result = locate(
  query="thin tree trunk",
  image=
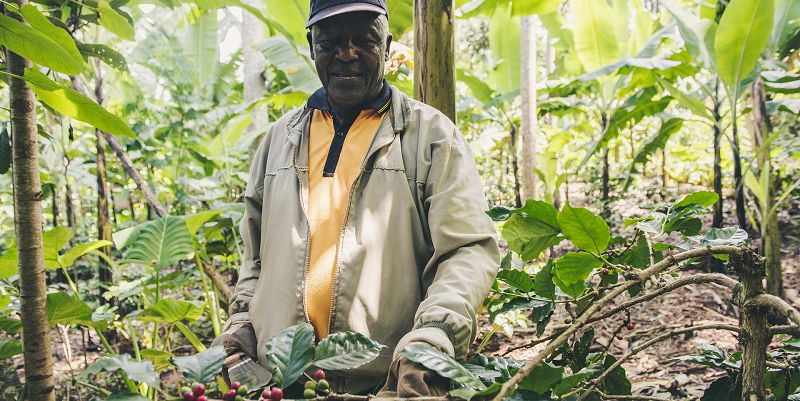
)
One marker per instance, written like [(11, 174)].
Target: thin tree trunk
[(103, 224), (28, 223), (528, 122), (606, 179), (717, 219), (434, 64), (664, 169), (515, 166), (755, 331), (770, 231)]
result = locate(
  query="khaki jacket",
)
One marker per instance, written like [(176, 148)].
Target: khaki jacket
[(418, 254)]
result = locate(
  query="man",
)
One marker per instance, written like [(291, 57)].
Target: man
[(364, 212)]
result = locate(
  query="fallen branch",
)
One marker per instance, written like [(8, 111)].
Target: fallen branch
[(640, 277)]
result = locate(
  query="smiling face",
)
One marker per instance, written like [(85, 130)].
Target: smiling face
[(350, 52)]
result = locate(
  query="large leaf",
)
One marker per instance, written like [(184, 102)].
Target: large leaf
[(516, 278), (201, 46), (786, 12), (528, 7), (692, 103), (543, 284), (197, 220), (699, 198), (575, 267), (595, 43), (345, 350), (586, 230), (37, 46), (528, 236), (543, 377), (743, 33), (290, 353), (291, 15), (693, 31), (59, 35), (504, 42), (113, 21), (401, 14), (441, 363), (72, 104), (141, 371), (53, 240), (10, 348), (480, 89), (69, 257), (655, 143), (63, 308), (160, 242), (169, 310), (721, 236), (106, 54), (287, 58), (203, 366)]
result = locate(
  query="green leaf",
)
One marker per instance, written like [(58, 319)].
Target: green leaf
[(722, 236), (570, 382), (701, 198), (466, 393), (160, 359), (298, 68), (574, 290), (59, 35), (516, 278), (10, 348), (141, 371), (290, 353), (694, 104), (693, 30), (113, 21), (575, 267), (63, 308), (170, 310), (542, 378), (543, 284), (742, 35), (786, 12), (586, 230), (10, 326), (345, 350), (160, 242), (719, 390), (441, 363), (504, 31), (479, 89), (126, 397), (203, 366), (402, 16), (202, 49), (72, 104), (5, 151), (787, 105), (69, 257), (37, 46), (617, 382), (197, 220), (106, 54), (53, 240), (528, 236), (595, 43), (528, 7)]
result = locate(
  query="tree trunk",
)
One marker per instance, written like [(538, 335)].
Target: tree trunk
[(717, 219), (434, 64), (755, 336), (103, 224), (515, 166), (528, 122), (254, 64), (28, 223), (606, 179), (770, 231), (664, 176)]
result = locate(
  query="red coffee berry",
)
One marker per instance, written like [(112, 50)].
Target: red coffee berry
[(319, 374), (277, 394), (235, 385), (229, 395), (605, 270), (201, 398), (630, 326), (266, 394), (189, 396), (199, 389)]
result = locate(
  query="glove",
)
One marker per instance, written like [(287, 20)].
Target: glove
[(238, 336), (408, 379)]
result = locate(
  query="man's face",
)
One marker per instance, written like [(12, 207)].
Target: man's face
[(350, 51)]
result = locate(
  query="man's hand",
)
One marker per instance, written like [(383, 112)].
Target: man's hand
[(238, 337), (409, 379)]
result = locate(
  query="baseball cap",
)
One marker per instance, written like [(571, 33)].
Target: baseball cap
[(321, 9)]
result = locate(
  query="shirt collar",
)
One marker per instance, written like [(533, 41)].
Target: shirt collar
[(319, 100)]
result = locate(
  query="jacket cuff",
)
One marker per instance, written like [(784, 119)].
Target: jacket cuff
[(434, 336), (235, 321)]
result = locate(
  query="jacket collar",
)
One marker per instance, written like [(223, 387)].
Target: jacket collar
[(399, 116)]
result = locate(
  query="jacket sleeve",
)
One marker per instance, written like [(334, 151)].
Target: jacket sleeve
[(250, 230), (465, 258)]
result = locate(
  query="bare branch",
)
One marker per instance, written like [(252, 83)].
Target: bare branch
[(779, 305), (785, 329), (641, 276)]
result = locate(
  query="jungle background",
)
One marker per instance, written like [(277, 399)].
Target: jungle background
[(148, 113)]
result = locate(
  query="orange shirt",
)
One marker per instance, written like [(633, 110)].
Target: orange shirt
[(328, 198)]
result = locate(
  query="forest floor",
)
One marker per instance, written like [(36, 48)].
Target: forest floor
[(655, 370)]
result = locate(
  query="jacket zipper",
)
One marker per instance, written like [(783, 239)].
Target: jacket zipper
[(341, 231), (308, 232)]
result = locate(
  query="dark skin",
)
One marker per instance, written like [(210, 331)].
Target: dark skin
[(350, 52)]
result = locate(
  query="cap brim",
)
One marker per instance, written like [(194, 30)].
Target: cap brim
[(344, 8)]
